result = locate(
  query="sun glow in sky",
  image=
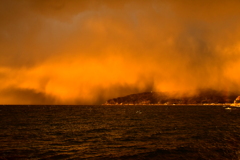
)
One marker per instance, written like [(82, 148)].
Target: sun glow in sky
[(85, 52)]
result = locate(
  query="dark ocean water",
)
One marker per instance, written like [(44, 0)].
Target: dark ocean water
[(119, 132)]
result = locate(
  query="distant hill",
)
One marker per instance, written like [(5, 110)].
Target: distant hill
[(203, 97)]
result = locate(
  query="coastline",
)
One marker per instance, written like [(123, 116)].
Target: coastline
[(215, 104)]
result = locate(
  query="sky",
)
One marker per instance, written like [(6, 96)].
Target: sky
[(88, 51)]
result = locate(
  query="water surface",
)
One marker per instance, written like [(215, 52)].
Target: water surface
[(119, 132)]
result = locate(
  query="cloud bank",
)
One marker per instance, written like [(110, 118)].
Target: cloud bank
[(85, 52)]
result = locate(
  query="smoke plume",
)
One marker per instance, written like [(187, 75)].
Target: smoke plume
[(85, 52)]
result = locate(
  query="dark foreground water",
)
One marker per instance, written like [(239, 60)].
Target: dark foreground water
[(119, 132)]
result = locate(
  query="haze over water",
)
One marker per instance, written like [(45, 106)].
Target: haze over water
[(119, 132)]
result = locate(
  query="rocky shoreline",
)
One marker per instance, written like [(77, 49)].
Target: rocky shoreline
[(158, 98)]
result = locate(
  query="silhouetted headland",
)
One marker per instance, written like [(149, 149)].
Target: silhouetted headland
[(204, 97)]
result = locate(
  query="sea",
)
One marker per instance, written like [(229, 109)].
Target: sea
[(119, 132)]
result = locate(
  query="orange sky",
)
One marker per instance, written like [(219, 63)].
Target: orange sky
[(85, 52)]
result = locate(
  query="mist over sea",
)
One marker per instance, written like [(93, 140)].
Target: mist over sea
[(119, 132)]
